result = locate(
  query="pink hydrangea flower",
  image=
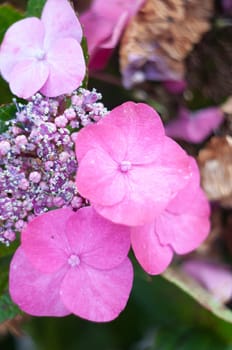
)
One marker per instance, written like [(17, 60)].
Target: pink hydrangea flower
[(181, 228), (128, 168), (44, 54), (195, 127), (103, 25), (72, 263)]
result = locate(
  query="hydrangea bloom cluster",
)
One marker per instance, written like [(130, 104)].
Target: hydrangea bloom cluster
[(37, 159), (82, 197)]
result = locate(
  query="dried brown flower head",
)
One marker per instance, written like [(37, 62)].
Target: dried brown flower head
[(215, 162), (161, 35)]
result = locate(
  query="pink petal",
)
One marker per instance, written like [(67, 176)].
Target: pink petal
[(175, 166), (20, 39), (60, 22), (150, 253), (66, 67), (195, 127), (187, 230), (94, 31), (147, 193), (149, 188), (184, 197), (103, 24), (35, 293), (101, 136), (31, 75), (115, 8), (97, 295), (142, 128), (99, 180), (98, 242), (44, 241), (100, 55)]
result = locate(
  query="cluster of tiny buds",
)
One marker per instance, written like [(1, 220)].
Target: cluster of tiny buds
[(37, 158)]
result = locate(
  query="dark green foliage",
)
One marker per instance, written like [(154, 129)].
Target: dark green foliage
[(7, 112), (34, 8)]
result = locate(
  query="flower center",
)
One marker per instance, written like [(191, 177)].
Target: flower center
[(125, 165), (40, 55), (74, 260)]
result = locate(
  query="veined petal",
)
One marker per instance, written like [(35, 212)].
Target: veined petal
[(187, 230), (142, 128), (20, 39), (35, 293), (60, 21), (98, 242), (99, 180), (185, 197), (97, 295), (44, 241), (148, 189), (27, 77), (104, 137), (66, 67), (175, 166), (150, 253)]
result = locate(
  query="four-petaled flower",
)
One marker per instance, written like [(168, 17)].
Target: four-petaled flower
[(72, 263), (128, 168), (44, 55)]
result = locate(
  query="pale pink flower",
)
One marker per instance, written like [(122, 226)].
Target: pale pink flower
[(196, 126), (181, 228), (128, 168), (72, 263), (103, 24), (44, 54), (214, 276)]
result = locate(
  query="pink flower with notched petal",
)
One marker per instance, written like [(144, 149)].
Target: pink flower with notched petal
[(72, 263), (128, 168), (181, 228), (44, 55), (103, 25)]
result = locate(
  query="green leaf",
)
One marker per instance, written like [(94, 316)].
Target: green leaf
[(7, 112), (8, 309), (8, 15), (5, 93), (84, 46), (198, 293), (6, 251), (34, 8)]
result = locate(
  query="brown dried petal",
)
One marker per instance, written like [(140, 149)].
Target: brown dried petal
[(215, 162), (163, 32)]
